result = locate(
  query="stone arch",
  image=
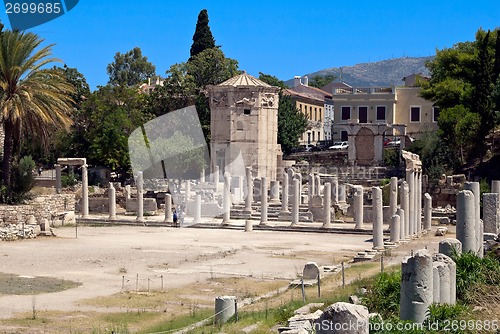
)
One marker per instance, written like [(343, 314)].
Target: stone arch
[(365, 146)]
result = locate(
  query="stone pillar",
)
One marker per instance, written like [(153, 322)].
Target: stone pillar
[(225, 308), (85, 192), (197, 209), (249, 198), (112, 201), (317, 186), (416, 286), (466, 218), (327, 205), (263, 200), (226, 199), (475, 188), (310, 190), (335, 189), (342, 193), (450, 246), (491, 213), (444, 280), (402, 228), (495, 186), (202, 176), (248, 226), (410, 178), (187, 189), (378, 219), (168, 209), (215, 175), (58, 178), (290, 173), (140, 197), (295, 201), (358, 207), (419, 202), (299, 176), (395, 228), (342, 318), (393, 200), (405, 205), (427, 212), (128, 192), (284, 193), (274, 192)]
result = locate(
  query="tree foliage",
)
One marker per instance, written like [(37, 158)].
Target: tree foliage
[(33, 100), (202, 38), (319, 81), (130, 68), (272, 80), (291, 123)]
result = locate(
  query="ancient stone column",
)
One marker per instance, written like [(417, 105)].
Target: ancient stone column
[(395, 228), (226, 198), (405, 205), (295, 201), (402, 228), (358, 207), (284, 193), (225, 308), (427, 211), (197, 209), (342, 318), (444, 279), (335, 189), (249, 198), (85, 192), (215, 175), (274, 192), (263, 200), (128, 192), (310, 190), (299, 176), (112, 201), (187, 189), (450, 246), (475, 188), (393, 199), (419, 203), (466, 220), (202, 176), (410, 178), (168, 209), (327, 205), (416, 286), (495, 186), (342, 194), (58, 178), (378, 219), (140, 197), (290, 173), (491, 213), (317, 186)]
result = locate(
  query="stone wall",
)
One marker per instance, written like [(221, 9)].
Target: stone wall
[(43, 206)]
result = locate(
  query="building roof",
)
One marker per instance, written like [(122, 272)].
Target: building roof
[(335, 85), (313, 91), (244, 79), (296, 94)]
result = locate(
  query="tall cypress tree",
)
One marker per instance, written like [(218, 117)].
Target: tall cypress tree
[(202, 38), (496, 64)]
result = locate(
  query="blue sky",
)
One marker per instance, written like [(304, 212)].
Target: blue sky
[(282, 38)]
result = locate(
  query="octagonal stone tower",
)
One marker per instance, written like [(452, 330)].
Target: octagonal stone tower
[(244, 119)]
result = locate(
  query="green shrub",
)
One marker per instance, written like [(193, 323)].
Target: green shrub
[(391, 157), (383, 297), (68, 180), (22, 181)]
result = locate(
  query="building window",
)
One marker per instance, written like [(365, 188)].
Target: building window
[(320, 115), (246, 111), (310, 112), (414, 114), (313, 135), (381, 113), (315, 113), (363, 114), (300, 107), (239, 126), (344, 136), (435, 114), (346, 113)]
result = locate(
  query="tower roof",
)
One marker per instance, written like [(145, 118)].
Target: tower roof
[(244, 79)]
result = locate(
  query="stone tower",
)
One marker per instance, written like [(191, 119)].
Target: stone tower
[(244, 120)]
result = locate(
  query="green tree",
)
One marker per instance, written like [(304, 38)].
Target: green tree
[(272, 80), (130, 68), (202, 38), (319, 81), (32, 99), (291, 123)]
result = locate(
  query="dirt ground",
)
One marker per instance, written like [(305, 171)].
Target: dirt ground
[(106, 260)]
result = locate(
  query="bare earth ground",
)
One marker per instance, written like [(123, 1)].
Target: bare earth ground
[(105, 259)]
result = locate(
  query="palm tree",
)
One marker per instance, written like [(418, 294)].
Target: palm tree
[(33, 98)]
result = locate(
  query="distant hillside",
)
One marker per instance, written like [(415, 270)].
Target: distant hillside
[(381, 73)]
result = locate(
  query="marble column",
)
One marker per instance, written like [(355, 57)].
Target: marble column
[(263, 200), (310, 190), (327, 205), (358, 207), (168, 209), (444, 279), (495, 186), (466, 218), (416, 286), (411, 185), (335, 189), (491, 213), (274, 192), (317, 186), (342, 194), (393, 199), (427, 212), (475, 188), (419, 203), (295, 201), (249, 198), (187, 188), (112, 201), (197, 209), (450, 247), (402, 227), (395, 228), (85, 192), (226, 199), (215, 175), (284, 193), (58, 178), (202, 176), (378, 219), (140, 197)]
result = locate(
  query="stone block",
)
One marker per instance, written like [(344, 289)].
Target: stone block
[(311, 271), (350, 318)]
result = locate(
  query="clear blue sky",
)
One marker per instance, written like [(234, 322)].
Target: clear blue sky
[(282, 38)]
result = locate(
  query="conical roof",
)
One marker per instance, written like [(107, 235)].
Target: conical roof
[(244, 79)]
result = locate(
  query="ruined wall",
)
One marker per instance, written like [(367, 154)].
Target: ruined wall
[(43, 206)]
